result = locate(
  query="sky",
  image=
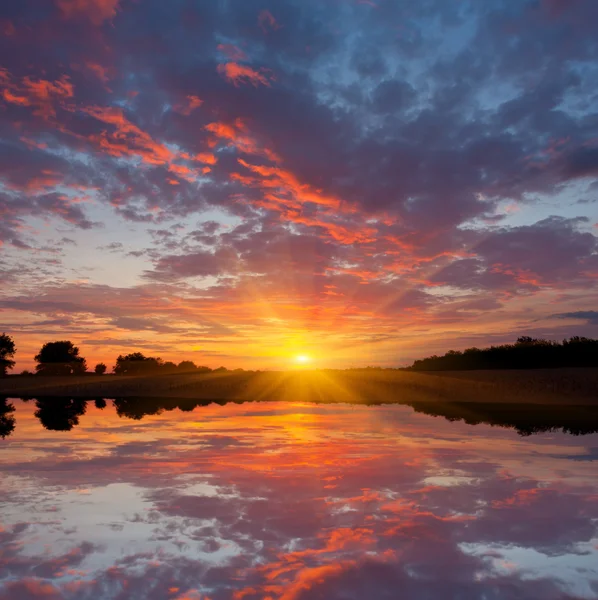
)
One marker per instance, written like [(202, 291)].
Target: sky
[(241, 182)]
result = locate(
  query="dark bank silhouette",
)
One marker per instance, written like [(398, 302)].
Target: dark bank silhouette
[(60, 358), (525, 353), (63, 413)]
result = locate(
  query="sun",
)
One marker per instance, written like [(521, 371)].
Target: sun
[(302, 359)]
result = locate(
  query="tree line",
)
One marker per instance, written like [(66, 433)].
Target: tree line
[(525, 353), (64, 358)]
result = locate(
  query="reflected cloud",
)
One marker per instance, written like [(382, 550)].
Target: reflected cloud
[(292, 501)]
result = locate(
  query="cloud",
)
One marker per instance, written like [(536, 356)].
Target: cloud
[(96, 11), (190, 103), (236, 74), (589, 316), (40, 94), (267, 21), (431, 158), (232, 52)]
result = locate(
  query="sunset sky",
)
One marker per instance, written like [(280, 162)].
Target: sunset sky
[(245, 182)]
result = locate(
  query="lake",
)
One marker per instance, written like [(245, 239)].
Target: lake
[(291, 501)]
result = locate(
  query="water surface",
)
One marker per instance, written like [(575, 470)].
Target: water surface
[(290, 502)]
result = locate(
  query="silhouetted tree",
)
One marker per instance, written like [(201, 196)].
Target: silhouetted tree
[(60, 358), (26, 373), (100, 369), (100, 403), (7, 421), (187, 366), (7, 351), (59, 413), (168, 367), (136, 364)]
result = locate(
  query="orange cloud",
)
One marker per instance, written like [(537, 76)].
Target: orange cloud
[(13, 99), (127, 139), (238, 135), (206, 157), (41, 94), (290, 197), (275, 177), (183, 171), (122, 137), (236, 74)]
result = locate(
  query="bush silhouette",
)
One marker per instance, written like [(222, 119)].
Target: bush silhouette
[(100, 369), (136, 363), (187, 366)]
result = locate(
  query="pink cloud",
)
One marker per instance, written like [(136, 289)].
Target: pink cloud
[(236, 74), (188, 105)]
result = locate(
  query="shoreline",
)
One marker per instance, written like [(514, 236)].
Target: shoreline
[(565, 387)]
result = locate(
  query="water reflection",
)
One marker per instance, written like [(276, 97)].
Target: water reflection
[(62, 413), (171, 500), (7, 420)]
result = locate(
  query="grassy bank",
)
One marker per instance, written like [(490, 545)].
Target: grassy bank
[(552, 386)]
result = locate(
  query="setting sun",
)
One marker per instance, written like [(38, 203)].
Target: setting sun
[(302, 359)]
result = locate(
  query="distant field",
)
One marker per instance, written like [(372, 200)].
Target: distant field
[(551, 386)]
